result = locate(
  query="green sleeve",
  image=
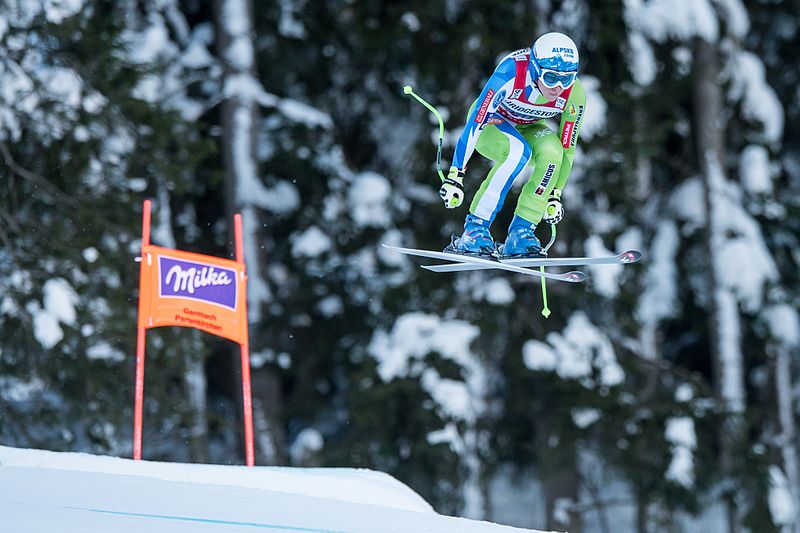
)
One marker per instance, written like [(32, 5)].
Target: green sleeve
[(571, 121)]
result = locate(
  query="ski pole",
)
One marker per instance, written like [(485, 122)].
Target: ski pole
[(408, 90), (546, 309), (552, 238)]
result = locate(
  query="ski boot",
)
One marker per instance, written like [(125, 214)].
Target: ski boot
[(521, 242), (476, 239)]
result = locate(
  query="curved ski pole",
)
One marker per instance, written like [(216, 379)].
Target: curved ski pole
[(545, 309), (552, 238), (408, 90)]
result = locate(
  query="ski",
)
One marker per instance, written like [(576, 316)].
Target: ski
[(478, 262), (627, 257)]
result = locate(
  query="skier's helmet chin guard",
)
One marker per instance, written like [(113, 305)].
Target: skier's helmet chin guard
[(554, 60)]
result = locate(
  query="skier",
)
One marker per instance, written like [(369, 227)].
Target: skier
[(505, 124)]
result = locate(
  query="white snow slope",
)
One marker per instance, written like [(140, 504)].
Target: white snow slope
[(69, 492)]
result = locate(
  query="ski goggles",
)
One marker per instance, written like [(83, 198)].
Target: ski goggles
[(553, 78)]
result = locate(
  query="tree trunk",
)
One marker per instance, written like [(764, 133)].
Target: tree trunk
[(196, 385), (725, 327), (270, 441), (642, 505), (474, 502), (240, 119), (788, 432), (194, 374), (560, 486)]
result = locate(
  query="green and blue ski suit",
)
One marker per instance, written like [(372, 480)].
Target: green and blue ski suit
[(506, 125)]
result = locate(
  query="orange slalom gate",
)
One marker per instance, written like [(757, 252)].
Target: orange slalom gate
[(204, 292)]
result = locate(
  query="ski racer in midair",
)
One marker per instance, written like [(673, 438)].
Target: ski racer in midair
[(506, 124)]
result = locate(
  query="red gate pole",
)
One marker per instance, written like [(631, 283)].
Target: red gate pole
[(140, 341), (245, 352)]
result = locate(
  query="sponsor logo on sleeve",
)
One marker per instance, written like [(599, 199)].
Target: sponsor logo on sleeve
[(484, 106), (574, 137), (566, 134), (548, 175)]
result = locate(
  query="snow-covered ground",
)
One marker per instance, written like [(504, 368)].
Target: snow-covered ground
[(69, 492)]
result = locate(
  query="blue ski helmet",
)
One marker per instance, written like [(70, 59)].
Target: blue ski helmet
[(554, 60)]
